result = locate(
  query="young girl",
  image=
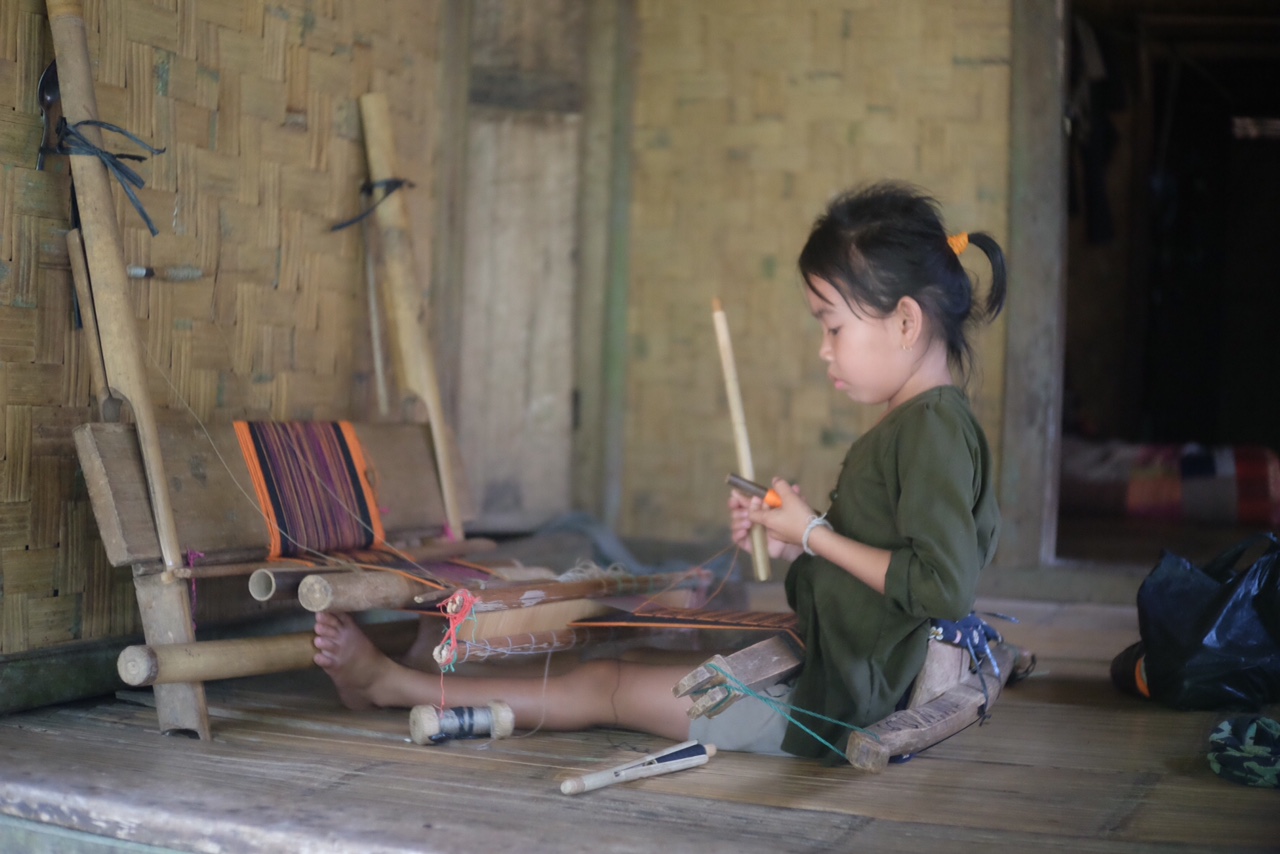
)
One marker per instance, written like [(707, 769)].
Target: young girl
[(912, 521)]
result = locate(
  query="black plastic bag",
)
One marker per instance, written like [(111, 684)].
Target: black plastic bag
[(1210, 635)]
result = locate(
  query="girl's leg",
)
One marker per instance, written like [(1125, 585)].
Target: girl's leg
[(596, 693)]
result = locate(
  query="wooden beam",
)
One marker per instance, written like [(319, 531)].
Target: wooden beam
[(617, 340), (594, 200), (448, 239), (1029, 456)]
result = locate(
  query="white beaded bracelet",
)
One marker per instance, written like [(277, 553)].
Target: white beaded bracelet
[(814, 522)]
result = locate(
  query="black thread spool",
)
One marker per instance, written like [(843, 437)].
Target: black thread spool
[(429, 725)]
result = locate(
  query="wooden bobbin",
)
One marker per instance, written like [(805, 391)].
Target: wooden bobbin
[(429, 725)]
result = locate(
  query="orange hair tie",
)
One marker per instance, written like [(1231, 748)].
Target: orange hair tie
[(958, 242)]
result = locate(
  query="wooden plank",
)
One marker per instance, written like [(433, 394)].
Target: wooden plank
[(515, 410), (212, 494), (1047, 773)]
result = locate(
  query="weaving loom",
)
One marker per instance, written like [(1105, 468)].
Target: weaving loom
[(172, 500)]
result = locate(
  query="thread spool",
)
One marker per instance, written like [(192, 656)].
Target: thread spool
[(429, 725)]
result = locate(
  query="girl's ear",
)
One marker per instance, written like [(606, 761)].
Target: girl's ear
[(909, 318)]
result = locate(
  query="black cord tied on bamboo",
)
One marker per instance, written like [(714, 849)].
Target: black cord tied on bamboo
[(389, 185), (71, 141)]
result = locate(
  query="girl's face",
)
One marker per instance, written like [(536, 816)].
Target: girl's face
[(870, 359)]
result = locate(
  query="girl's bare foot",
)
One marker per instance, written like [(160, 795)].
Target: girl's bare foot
[(355, 665)]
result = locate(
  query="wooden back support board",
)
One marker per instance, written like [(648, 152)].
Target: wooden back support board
[(212, 494)]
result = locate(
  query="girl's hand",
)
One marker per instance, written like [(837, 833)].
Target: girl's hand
[(744, 512), (785, 524)]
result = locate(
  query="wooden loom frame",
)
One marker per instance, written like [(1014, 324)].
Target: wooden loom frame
[(160, 575)]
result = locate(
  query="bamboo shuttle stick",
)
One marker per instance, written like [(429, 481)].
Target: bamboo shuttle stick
[(375, 321), (689, 754), (108, 406), (415, 360), (746, 468)]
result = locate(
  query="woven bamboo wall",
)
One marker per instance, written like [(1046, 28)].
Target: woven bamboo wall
[(255, 103), (748, 118)]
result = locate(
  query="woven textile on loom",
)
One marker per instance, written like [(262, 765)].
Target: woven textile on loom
[(1233, 484), (312, 484)]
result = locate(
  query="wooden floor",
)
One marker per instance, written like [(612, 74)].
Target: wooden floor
[(1065, 764)]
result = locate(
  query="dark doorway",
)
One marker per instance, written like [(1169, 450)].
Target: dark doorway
[(1172, 289)]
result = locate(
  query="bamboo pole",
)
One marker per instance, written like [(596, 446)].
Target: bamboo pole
[(361, 591), (415, 360), (746, 468), (204, 661)]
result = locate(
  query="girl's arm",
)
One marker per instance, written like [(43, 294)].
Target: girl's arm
[(787, 524)]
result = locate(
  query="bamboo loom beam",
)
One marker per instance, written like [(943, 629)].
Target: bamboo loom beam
[(205, 661), (405, 306), (162, 600), (741, 443), (358, 591)]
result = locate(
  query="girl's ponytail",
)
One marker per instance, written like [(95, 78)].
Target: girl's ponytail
[(995, 298)]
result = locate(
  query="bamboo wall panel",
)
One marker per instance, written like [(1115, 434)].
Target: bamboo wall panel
[(255, 105), (748, 119)]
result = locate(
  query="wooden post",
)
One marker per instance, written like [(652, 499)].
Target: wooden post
[(415, 361), (163, 600), (746, 468)]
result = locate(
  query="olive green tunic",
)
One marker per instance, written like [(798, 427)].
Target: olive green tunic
[(919, 485)]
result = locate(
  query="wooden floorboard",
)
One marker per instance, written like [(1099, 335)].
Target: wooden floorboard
[(1065, 763)]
